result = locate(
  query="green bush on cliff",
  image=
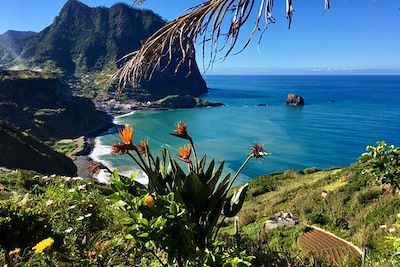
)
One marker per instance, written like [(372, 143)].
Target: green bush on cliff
[(384, 164)]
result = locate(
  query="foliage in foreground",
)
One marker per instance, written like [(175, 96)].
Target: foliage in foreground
[(61, 221), (384, 164), (77, 215), (180, 211)]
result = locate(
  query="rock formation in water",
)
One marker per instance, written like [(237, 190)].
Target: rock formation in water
[(294, 100)]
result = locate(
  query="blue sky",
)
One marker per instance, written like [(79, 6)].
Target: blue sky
[(355, 36)]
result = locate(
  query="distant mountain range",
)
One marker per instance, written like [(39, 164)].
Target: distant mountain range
[(84, 43), (11, 45)]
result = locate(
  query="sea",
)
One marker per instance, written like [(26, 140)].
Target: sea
[(341, 116)]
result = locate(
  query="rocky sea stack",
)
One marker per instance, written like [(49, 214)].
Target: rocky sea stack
[(294, 100)]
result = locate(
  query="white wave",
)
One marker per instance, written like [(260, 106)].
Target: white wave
[(116, 118), (104, 177)]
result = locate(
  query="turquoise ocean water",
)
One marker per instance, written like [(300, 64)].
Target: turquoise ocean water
[(342, 115)]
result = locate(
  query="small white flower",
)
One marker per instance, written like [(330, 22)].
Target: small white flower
[(77, 179), (81, 187), (72, 207), (383, 226), (45, 177), (80, 218), (88, 215), (69, 230), (71, 190), (392, 230), (67, 179), (49, 202), (90, 205), (52, 176)]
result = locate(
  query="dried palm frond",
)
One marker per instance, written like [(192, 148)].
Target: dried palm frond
[(215, 22)]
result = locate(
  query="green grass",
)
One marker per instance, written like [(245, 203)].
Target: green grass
[(65, 148), (353, 208), (78, 215)]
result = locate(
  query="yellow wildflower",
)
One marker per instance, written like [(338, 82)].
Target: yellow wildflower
[(43, 245)]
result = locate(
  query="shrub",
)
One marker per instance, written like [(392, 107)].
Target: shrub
[(366, 197), (310, 170), (384, 163), (21, 226), (317, 217), (341, 223), (263, 185)]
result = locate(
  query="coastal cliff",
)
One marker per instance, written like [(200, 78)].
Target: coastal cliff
[(21, 150), (42, 105)]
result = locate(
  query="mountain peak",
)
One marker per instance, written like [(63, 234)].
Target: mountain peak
[(17, 34), (85, 39), (72, 5)]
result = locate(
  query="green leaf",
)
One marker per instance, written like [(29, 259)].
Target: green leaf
[(173, 209), (144, 235), (234, 203)]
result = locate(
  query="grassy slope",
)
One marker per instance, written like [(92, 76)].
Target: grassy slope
[(353, 209), (20, 150)]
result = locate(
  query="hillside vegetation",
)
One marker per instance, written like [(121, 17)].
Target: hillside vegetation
[(342, 201), (43, 106), (176, 219), (84, 44), (21, 150), (88, 227)]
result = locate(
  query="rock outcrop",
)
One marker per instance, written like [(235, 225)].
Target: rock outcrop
[(281, 219), (186, 101), (294, 100)]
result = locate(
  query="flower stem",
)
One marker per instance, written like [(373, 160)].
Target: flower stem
[(219, 227), (196, 164), (141, 159), (137, 162), (240, 169)]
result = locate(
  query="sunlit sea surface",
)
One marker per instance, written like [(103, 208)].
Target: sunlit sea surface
[(342, 115)]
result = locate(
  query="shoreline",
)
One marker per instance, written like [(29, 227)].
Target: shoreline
[(82, 158), (85, 158)]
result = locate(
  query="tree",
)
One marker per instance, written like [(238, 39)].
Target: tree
[(215, 23)]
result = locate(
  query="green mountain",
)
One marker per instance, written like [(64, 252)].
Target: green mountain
[(84, 43), (21, 150), (43, 106), (11, 44)]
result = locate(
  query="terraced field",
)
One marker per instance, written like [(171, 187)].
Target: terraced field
[(327, 246)]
